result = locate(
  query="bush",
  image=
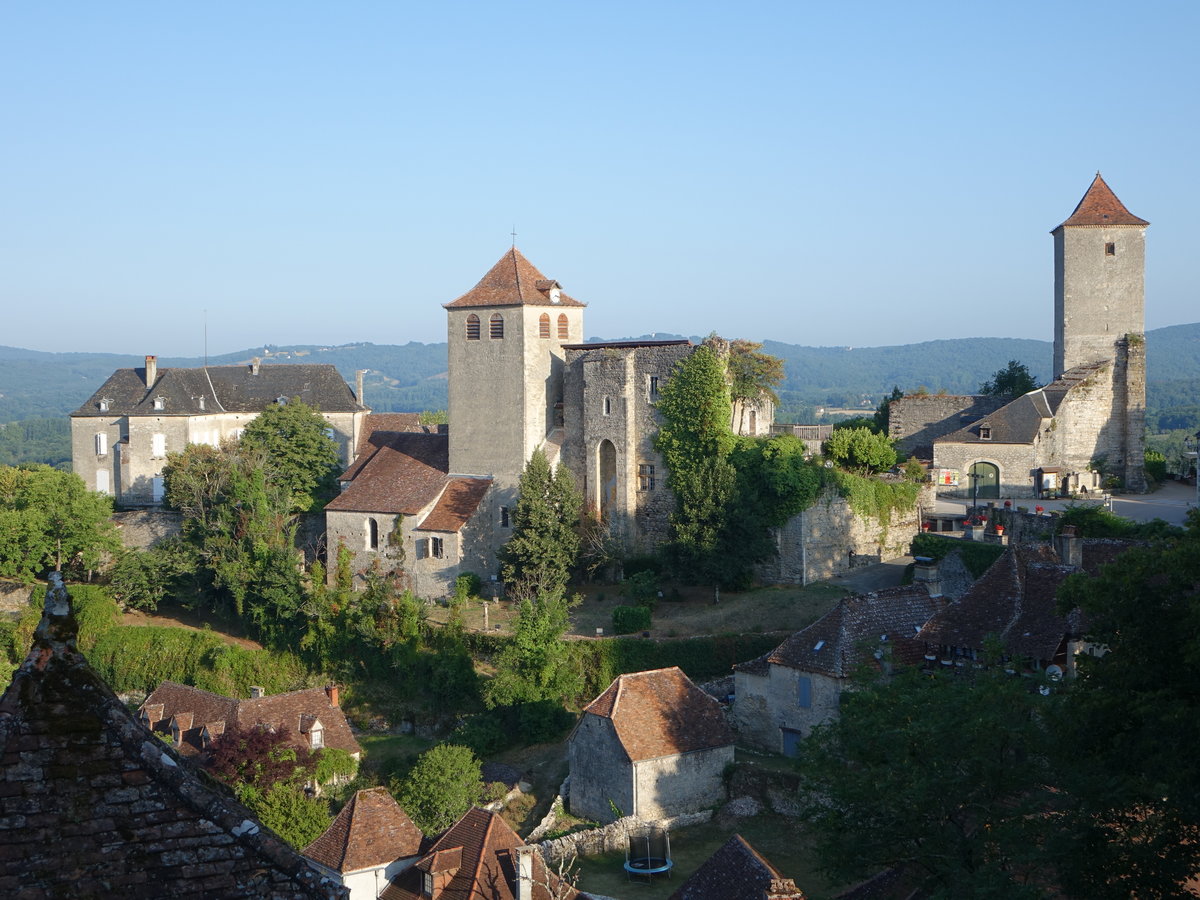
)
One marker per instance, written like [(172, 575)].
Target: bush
[(976, 556), (630, 619), (443, 785), (642, 589), (332, 763), (638, 564), (466, 586)]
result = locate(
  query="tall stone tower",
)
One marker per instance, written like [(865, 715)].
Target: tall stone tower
[(505, 339), (1099, 316)]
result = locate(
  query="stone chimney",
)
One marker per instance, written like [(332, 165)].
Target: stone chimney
[(358, 386), (783, 889), (925, 572), (151, 370), (1070, 547), (331, 691), (256, 692), (254, 364), (525, 883)]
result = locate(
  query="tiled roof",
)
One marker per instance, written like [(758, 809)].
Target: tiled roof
[(293, 711), (661, 713), (736, 872), (95, 805), (513, 281), (486, 863), (457, 504), (377, 426), (1100, 206), (371, 831), (628, 345), (841, 640), (403, 474), (221, 388), (1019, 421)]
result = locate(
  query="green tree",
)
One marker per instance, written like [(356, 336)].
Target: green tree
[(294, 440), (861, 450), (441, 787), (293, 815), (1013, 380), (538, 558), (753, 376), (535, 664), (883, 413)]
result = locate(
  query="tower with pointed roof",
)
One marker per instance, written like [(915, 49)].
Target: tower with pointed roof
[(505, 339), (1099, 318)]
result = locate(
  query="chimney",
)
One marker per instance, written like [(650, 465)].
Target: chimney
[(525, 883), (925, 571), (256, 692), (254, 364), (331, 691), (783, 889), (151, 370), (1070, 547), (358, 386)]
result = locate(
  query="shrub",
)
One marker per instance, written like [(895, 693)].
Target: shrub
[(642, 589), (443, 785), (466, 586), (630, 619)]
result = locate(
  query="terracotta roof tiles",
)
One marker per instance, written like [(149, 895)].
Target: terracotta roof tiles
[(403, 474), (1100, 206), (371, 831), (513, 281), (456, 505)]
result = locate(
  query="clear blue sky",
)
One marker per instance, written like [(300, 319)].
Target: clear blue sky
[(819, 173)]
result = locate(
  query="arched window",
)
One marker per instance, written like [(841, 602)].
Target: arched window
[(544, 326), (372, 534), (607, 464), (497, 324), (472, 327), (563, 330)]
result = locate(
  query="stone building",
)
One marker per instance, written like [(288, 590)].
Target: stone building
[(1086, 426), (95, 805), (371, 841), (653, 745), (121, 436), (784, 694)]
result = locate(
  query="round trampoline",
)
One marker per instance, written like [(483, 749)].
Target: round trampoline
[(648, 854)]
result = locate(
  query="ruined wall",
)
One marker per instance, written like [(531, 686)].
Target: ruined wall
[(915, 422)]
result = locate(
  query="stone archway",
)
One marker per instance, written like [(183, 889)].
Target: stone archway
[(606, 459), (984, 483)]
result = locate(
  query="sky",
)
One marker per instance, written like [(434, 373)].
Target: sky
[(827, 174)]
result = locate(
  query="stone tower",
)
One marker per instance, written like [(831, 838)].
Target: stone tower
[(505, 339), (1099, 316)]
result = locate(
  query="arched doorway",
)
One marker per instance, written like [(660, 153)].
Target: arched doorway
[(985, 481), (607, 459)]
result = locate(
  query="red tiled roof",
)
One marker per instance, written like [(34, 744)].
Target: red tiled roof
[(377, 426), (513, 281), (486, 865), (736, 871), (1100, 206), (404, 474), (661, 713), (457, 504), (371, 831)]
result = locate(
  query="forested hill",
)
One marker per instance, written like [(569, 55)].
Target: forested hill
[(412, 377)]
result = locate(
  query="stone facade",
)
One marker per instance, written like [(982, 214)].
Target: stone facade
[(914, 422), (768, 708)]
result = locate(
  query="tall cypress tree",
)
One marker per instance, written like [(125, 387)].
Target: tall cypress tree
[(537, 560)]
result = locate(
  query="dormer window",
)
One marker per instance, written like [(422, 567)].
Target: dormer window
[(317, 737), (555, 295), (200, 402), (160, 403), (104, 404), (985, 432), (281, 400)]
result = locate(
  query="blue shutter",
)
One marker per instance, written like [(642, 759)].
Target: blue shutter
[(804, 698)]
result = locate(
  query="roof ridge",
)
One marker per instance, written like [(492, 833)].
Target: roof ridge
[(483, 848)]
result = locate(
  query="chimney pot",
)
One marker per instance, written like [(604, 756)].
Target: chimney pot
[(256, 692), (151, 370), (331, 691), (254, 364)]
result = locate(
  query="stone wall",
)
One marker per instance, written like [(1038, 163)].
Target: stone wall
[(683, 783), (915, 422), (601, 775), (766, 704), (614, 837), (141, 529)]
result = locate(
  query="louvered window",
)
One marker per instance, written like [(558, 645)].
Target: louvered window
[(472, 327), (497, 327)]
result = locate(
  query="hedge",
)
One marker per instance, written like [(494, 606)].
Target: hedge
[(630, 619)]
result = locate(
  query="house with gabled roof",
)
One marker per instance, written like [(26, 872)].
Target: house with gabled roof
[(193, 717), (652, 745), (369, 843), (736, 871), (781, 696), (96, 805), (121, 436), (479, 857)]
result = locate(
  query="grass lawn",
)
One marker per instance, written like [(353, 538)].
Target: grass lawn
[(391, 755), (781, 840)]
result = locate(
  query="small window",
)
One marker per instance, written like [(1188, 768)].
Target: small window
[(653, 387), (281, 400), (104, 404), (645, 477), (318, 738), (101, 443), (422, 548), (160, 403), (505, 522), (497, 327), (329, 433), (200, 401), (436, 548), (472, 327), (544, 326), (1110, 249), (608, 406), (985, 432), (804, 692), (564, 328), (372, 534), (158, 445)]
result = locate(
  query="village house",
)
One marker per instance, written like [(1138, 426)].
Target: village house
[(479, 856), (1084, 431), (121, 436), (95, 805), (652, 745), (737, 872), (194, 718), (369, 843)]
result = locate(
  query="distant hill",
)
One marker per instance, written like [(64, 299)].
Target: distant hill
[(412, 377)]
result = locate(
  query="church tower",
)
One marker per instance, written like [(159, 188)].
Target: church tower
[(506, 338), (1099, 317)]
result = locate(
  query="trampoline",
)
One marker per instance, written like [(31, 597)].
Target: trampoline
[(648, 854)]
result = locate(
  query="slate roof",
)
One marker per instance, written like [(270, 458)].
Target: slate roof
[(661, 713), (1020, 420), (838, 642), (1100, 206), (294, 711), (94, 805), (371, 831), (481, 847), (513, 281), (737, 872), (222, 388)]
